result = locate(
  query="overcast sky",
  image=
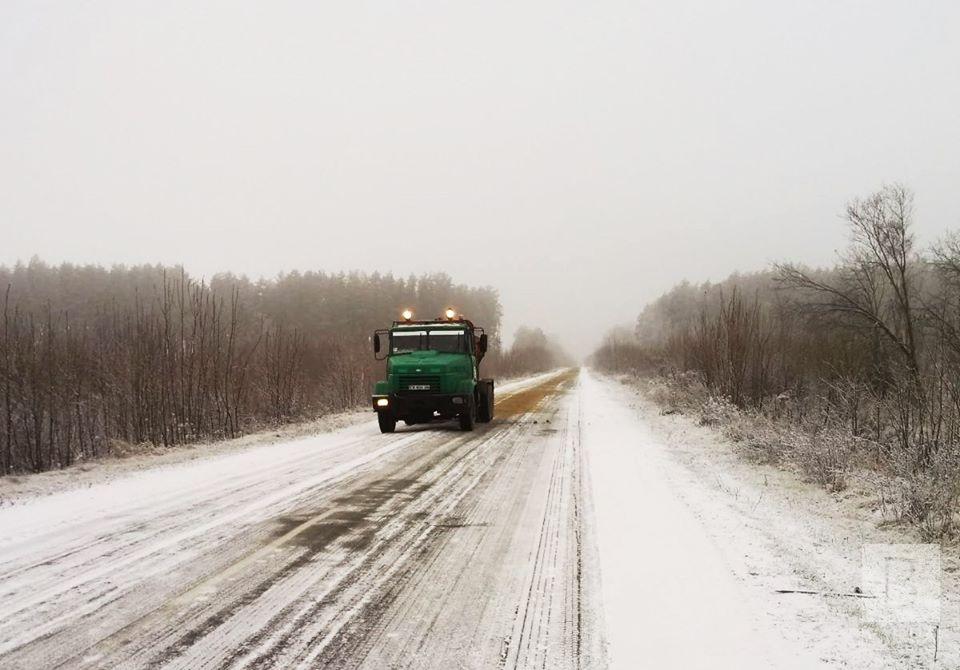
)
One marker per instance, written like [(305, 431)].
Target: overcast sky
[(580, 157)]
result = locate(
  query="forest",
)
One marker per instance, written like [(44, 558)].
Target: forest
[(94, 360), (848, 369)]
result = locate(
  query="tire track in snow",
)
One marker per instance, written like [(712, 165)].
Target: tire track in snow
[(153, 557), (198, 543)]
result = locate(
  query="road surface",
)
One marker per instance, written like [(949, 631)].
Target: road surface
[(545, 539)]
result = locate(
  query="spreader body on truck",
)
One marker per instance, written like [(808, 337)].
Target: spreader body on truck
[(433, 373)]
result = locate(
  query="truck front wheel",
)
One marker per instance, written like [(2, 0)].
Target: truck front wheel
[(468, 416), (387, 421)]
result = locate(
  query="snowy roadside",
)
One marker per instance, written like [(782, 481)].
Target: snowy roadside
[(773, 531), (16, 489)]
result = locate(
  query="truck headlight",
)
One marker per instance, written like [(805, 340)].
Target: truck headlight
[(382, 402)]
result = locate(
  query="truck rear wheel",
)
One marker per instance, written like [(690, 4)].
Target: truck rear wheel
[(468, 416), (387, 421)]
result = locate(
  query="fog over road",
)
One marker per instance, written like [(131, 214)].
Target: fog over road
[(546, 539)]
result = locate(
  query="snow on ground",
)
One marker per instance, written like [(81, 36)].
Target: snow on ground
[(579, 521), (16, 489), (346, 549), (670, 599), (711, 537)]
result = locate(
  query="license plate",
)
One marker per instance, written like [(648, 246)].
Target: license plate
[(419, 387)]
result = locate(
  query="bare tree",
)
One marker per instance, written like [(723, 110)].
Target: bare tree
[(878, 291), (877, 274)]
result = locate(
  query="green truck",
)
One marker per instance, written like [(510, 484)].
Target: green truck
[(433, 372)]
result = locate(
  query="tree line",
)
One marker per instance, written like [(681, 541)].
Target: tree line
[(871, 344), (532, 351), (94, 358)]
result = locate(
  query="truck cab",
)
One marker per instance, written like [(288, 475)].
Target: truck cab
[(432, 373)]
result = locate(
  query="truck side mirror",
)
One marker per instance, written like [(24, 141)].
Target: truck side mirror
[(376, 343), (483, 343)]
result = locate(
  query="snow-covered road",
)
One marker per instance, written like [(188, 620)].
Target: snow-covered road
[(553, 538), (426, 548)]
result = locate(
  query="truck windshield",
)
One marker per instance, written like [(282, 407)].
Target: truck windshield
[(452, 341), (448, 341)]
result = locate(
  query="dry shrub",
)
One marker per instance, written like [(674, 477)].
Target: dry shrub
[(825, 456), (717, 411), (921, 500), (928, 499), (685, 393), (760, 438), (122, 449), (677, 393)]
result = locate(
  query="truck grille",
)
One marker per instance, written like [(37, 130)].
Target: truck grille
[(420, 383)]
